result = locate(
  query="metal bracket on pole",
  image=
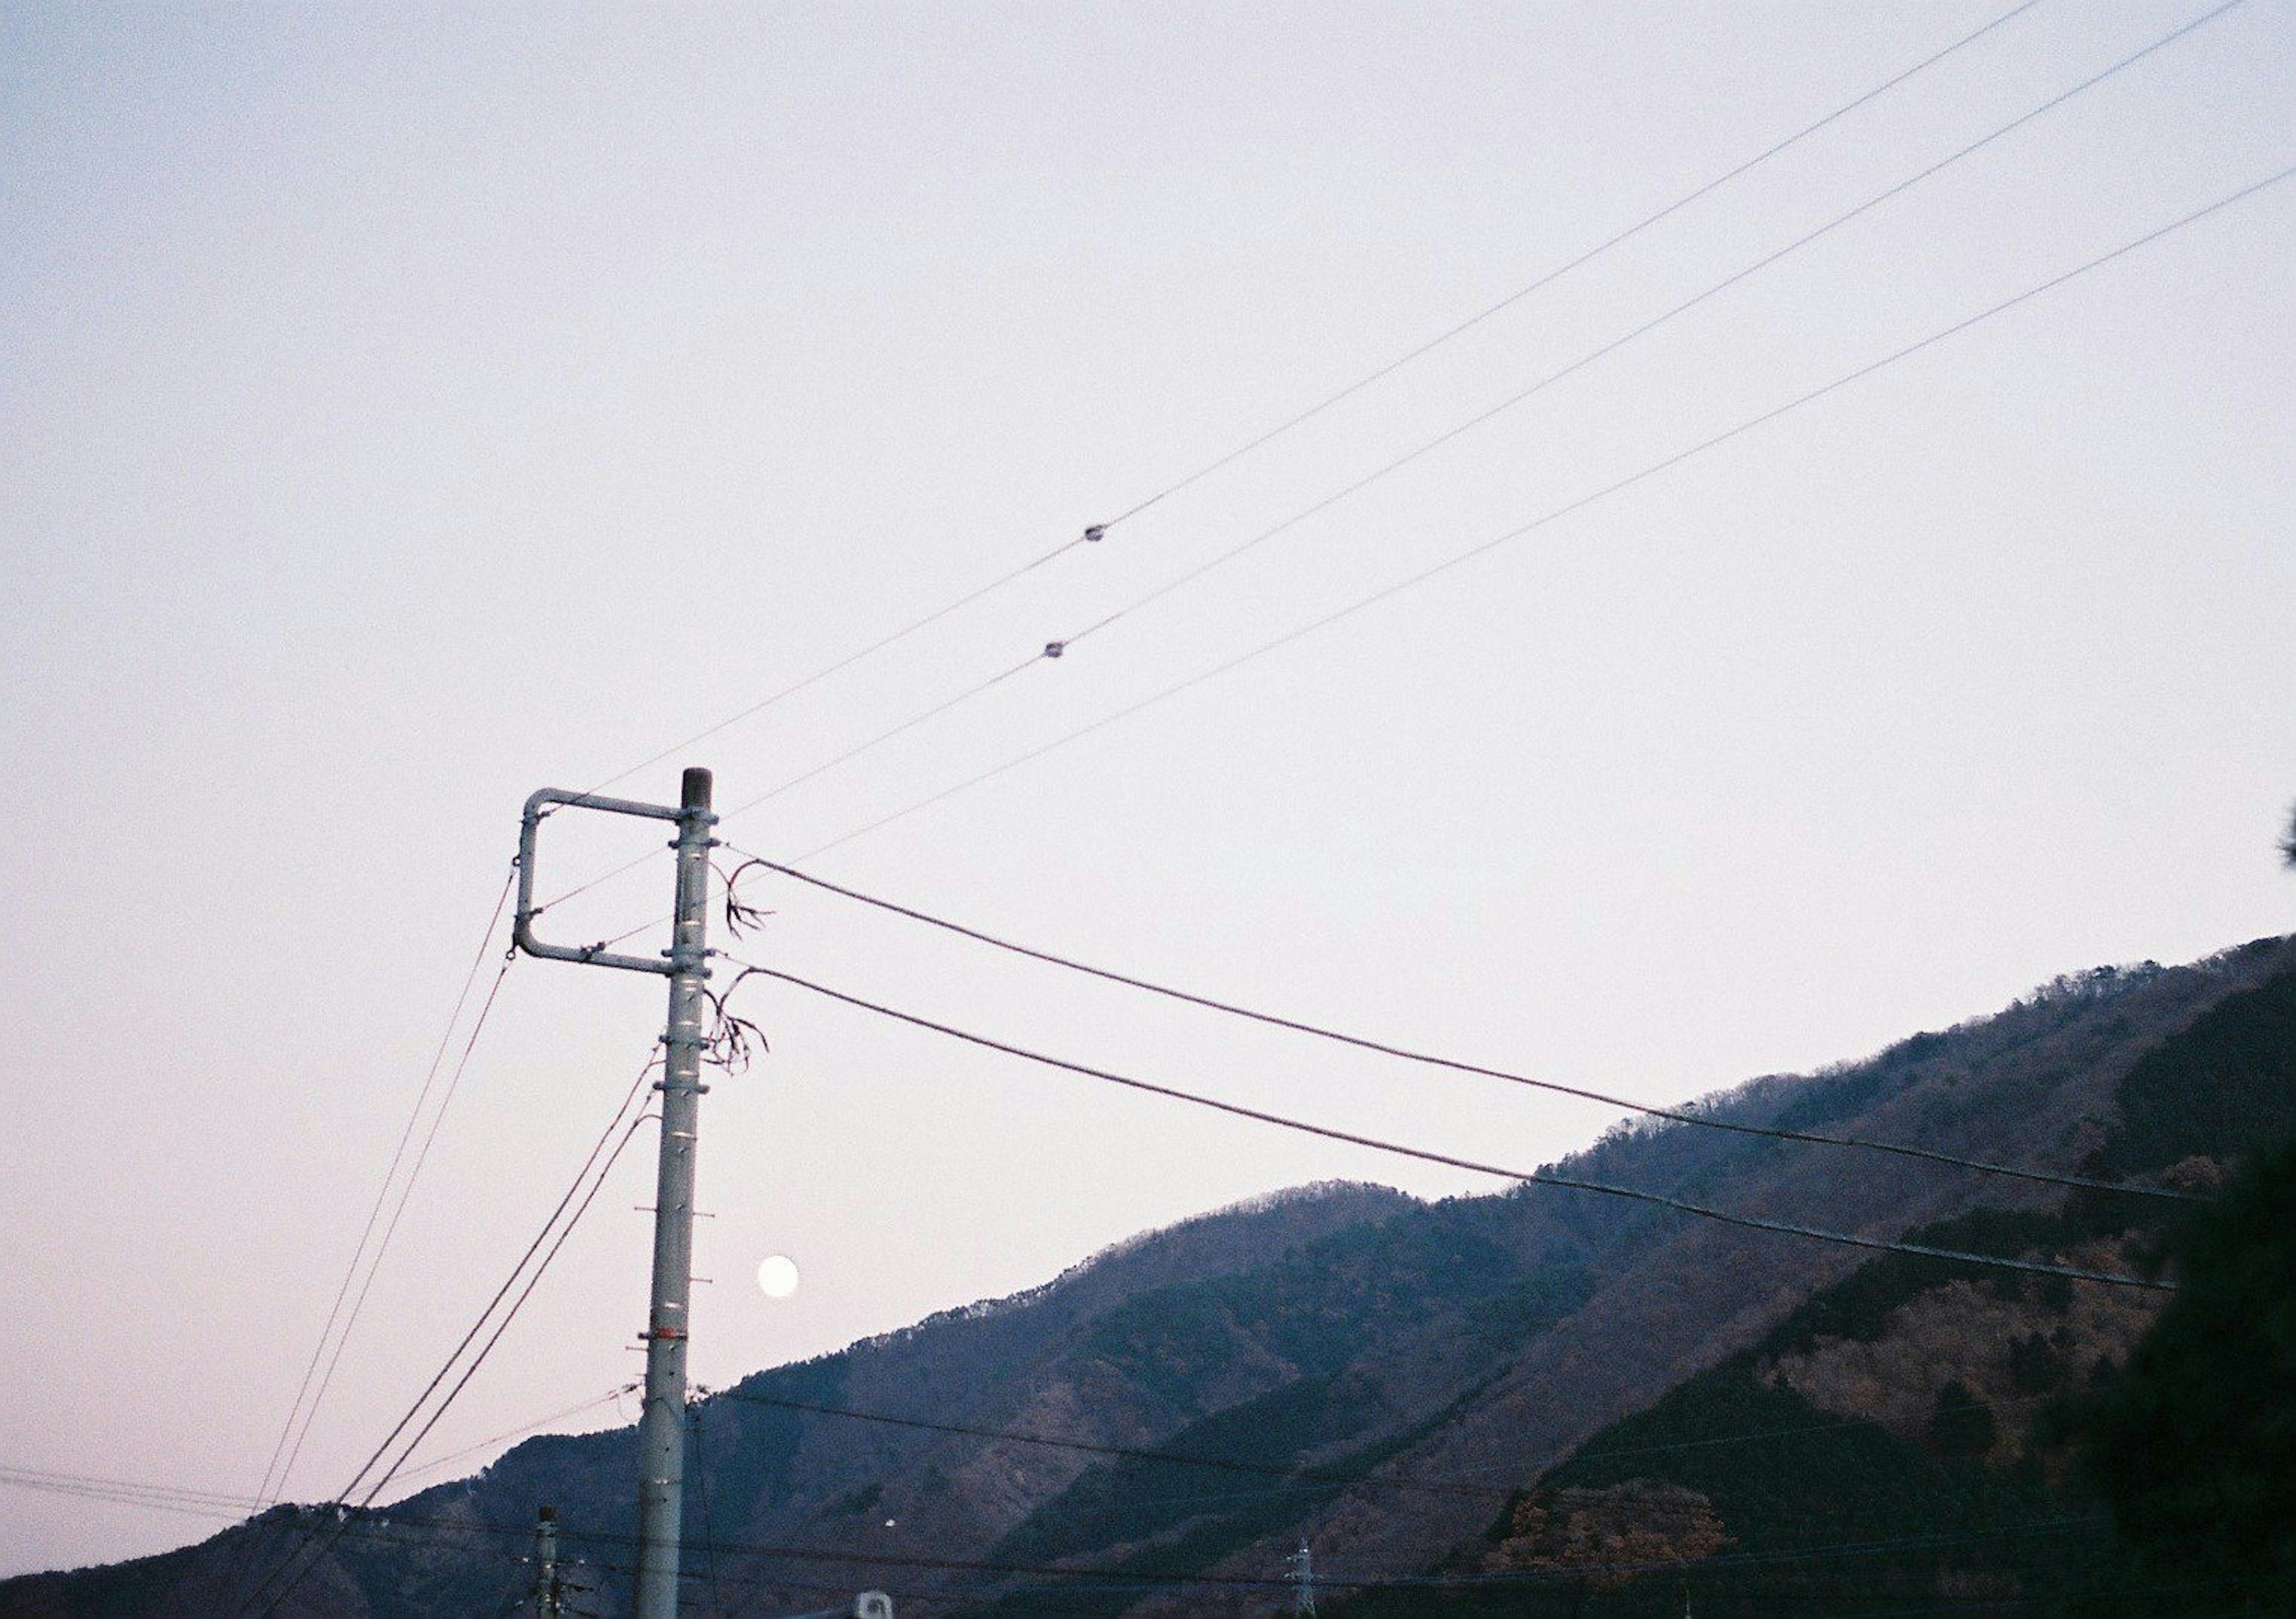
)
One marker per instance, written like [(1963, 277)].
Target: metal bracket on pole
[(521, 931)]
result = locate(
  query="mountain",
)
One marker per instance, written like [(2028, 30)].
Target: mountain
[(1539, 1401)]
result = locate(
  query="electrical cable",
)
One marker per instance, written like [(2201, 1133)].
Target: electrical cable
[(1583, 258), (446, 1368), (1361, 1042), (405, 1191), (847, 662), (1143, 1579), (475, 1533), (1122, 1453), (1447, 1160), (277, 1473), (1058, 647), (1322, 1475), (173, 1498), (486, 1349), (1097, 531), (519, 1432), (1223, 558), (438, 1057), (883, 737), (1554, 514)]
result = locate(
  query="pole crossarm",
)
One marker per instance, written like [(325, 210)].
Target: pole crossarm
[(538, 804)]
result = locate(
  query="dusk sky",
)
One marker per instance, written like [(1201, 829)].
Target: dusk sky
[(403, 408)]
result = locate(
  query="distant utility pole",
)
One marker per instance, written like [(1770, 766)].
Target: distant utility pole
[(1303, 1579), (661, 1428), (549, 1597)]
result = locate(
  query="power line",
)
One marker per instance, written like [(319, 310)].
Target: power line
[(1316, 1478), (275, 1471), (799, 779), (1377, 1144), (1058, 647), (1702, 1121), (1552, 515), (1586, 258), (447, 1367), (1555, 514), (1378, 373), (1122, 1453), (519, 1432), (171, 1498), (1108, 1580), (1081, 1580), (1222, 559), (475, 1533), (405, 1191), (847, 662), (382, 1193)]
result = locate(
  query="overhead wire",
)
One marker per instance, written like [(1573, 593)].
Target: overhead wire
[(1458, 558), (165, 1498), (1118, 1452), (382, 1193), (1055, 649), (1601, 351), (398, 1210), (1110, 1580), (1552, 515), (1703, 1121), (1310, 1477), (522, 1431), (1097, 531), (412, 1527), (1591, 254), (796, 781), (447, 1368), (1451, 1161), (848, 661), (1060, 646), (276, 1472)]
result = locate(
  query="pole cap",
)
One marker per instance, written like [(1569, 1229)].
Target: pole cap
[(694, 791)]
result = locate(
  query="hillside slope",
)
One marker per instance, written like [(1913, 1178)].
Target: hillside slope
[(1380, 1375)]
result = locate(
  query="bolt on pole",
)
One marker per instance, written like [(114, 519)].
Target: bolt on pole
[(661, 1428)]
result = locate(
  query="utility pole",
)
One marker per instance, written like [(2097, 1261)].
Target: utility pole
[(662, 1427), (549, 1598), (1303, 1579)]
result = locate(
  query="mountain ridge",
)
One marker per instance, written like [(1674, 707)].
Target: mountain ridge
[(1340, 1329)]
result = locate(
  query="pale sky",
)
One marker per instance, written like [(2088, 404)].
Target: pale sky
[(402, 409)]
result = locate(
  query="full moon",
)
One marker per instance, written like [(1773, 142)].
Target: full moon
[(777, 1277)]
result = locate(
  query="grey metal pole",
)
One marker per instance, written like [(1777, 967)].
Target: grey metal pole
[(661, 1428)]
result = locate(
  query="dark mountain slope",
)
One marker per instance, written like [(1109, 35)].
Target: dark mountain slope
[(1418, 1362), (1906, 1435)]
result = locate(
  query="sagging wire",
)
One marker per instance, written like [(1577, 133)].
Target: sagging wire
[(1537, 1177)]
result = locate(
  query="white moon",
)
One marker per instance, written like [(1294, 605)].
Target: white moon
[(777, 1277)]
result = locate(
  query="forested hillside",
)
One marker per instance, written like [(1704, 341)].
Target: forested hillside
[(1927, 1432), (1542, 1401)]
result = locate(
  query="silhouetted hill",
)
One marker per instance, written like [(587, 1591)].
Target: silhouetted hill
[(1494, 1392)]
